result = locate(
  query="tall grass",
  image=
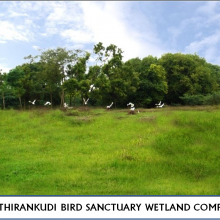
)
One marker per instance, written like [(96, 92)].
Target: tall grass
[(170, 151)]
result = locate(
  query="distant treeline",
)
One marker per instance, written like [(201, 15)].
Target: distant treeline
[(61, 75)]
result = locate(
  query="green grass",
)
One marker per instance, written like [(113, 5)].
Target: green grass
[(169, 151)]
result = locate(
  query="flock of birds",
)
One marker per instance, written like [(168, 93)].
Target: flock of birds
[(92, 88)]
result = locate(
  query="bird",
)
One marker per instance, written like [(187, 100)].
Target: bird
[(158, 103), (109, 106), (92, 87), (65, 105), (47, 103), (160, 106), (131, 104), (33, 103), (85, 101)]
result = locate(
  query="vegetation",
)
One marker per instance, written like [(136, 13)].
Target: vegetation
[(60, 75), (89, 151)]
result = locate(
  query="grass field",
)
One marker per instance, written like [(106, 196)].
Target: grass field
[(169, 151)]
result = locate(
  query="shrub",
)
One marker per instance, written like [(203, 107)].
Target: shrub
[(193, 99)]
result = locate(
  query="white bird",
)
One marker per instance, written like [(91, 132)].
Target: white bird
[(65, 105), (158, 103), (47, 103), (85, 101), (160, 106), (131, 104), (109, 106), (92, 87), (33, 103)]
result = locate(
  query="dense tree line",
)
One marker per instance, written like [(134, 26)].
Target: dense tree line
[(61, 75)]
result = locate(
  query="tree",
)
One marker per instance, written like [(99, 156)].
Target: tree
[(3, 87), (187, 74), (118, 76), (71, 86), (15, 79)]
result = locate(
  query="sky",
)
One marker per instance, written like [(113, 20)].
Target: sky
[(139, 28)]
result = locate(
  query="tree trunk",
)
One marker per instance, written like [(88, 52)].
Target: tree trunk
[(20, 102), (62, 98), (70, 102), (24, 104)]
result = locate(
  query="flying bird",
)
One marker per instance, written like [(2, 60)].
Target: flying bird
[(33, 103), (85, 101), (131, 104), (160, 106), (47, 103), (158, 103), (92, 87), (65, 105)]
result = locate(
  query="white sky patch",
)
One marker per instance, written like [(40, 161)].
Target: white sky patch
[(64, 15), (10, 32), (77, 36), (15, 14), (2, 41), (106, 23), (210, 41), (71, 46), (36, 47), (4, 68)]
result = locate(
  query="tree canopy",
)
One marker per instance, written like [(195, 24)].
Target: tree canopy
[(60, 75)]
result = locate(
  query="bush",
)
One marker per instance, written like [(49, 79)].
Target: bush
[(212, 99), (193, 99)]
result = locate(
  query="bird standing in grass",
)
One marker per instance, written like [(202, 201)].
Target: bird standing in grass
[(65, 105), (109, 106), (33, 103), (132, 106)]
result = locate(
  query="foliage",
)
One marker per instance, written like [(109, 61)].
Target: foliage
[(60, 75)]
